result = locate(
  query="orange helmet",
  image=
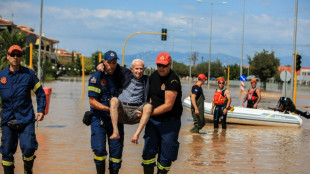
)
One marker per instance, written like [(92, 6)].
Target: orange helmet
[(221, 80), (253, 80)]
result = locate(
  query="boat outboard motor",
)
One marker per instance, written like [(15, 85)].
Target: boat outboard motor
[(286, 105)]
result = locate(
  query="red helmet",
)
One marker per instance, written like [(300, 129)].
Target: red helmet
[(220, 80)]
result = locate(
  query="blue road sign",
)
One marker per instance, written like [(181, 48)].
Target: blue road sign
[(242, 78)]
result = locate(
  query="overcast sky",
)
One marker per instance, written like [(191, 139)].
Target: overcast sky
[(90, 25)]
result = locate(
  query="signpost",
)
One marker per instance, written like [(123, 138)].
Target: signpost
[(242, 79), (285, 76)]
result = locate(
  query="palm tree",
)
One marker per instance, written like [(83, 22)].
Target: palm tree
[(6, 40)]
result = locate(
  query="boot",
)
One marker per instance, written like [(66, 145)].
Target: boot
[(100, 168), (148, 169), (8, 169), (194, 130), (162, 171), (113, 171), (28, 165)]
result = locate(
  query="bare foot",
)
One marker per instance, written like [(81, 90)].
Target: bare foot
[(134, 139), (114, 136)]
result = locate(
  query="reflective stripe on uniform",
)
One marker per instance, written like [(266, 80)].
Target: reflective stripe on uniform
[(162, 167), (100, 158), (94, 89), (36, 87), (150, 161), (29, 158), (7, 163), (115, 160)]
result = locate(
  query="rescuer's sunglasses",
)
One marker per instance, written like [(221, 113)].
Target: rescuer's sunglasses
[(162, 66), (15, 54), (222, 83)]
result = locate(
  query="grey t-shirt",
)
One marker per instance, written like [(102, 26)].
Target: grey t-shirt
[(134, 93)]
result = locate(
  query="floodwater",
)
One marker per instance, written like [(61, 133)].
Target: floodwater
[(64, 142)]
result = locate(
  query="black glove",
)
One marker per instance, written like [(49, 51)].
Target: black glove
[(87, 118)]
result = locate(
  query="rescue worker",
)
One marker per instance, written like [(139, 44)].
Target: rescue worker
[(101, 88), (253, 95), (163, 127), (221, 102), (18, 116), (197, 104)]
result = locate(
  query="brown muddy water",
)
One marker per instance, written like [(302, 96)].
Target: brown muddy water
[(64, 142)]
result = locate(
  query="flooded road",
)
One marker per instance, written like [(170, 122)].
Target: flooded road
[(64, 142)]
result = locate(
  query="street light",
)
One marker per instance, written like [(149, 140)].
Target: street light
[(190, 58), (211, 3)]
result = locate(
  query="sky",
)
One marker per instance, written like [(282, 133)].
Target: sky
[(87, 26)]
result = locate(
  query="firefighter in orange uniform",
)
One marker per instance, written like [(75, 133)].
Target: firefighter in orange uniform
[(221, 102), (253, 96)]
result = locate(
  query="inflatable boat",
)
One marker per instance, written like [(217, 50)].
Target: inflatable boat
[(241, 115)]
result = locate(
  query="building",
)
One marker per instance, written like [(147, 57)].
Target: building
[(48, 46), (303, 76)]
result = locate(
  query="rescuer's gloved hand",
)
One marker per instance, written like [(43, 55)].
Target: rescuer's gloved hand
[(87, 118)]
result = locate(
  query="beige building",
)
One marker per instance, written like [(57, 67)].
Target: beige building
[(48, 46)]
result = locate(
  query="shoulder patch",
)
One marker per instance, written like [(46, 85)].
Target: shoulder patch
[(163, 87), (3, 80), (93, 80), (103, 82)]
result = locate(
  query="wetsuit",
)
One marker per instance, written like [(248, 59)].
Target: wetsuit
[(199, 120), (251, 97), (220, 102)]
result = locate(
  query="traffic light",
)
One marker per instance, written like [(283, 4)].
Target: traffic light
[(27, 55), (298, 62), (95, 61), (164, 34), (78, 64)]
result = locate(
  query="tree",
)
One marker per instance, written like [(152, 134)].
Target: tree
[(6, 40), (180, 69), (264, 65)]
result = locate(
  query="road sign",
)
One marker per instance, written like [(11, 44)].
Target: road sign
[(31, 38), (285, 76), (242, 78)]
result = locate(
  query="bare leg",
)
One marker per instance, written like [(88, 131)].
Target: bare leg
[(114, 117), (147, 109)]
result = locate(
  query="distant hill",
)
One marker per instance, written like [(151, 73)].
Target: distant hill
[(149, 58)]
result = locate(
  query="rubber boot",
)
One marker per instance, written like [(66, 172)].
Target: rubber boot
[(8, 169), (194, 130), (28, 166), (113, 171), (148, 169), (100, 168), (162, 171)]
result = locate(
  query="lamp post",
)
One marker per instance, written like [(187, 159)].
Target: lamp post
[(40, 40), (242, 42), (211, 3), (190, 57)]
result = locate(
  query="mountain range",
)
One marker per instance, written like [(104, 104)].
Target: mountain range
[(149, 58)]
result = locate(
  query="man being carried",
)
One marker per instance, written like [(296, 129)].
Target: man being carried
[(128, 107)]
